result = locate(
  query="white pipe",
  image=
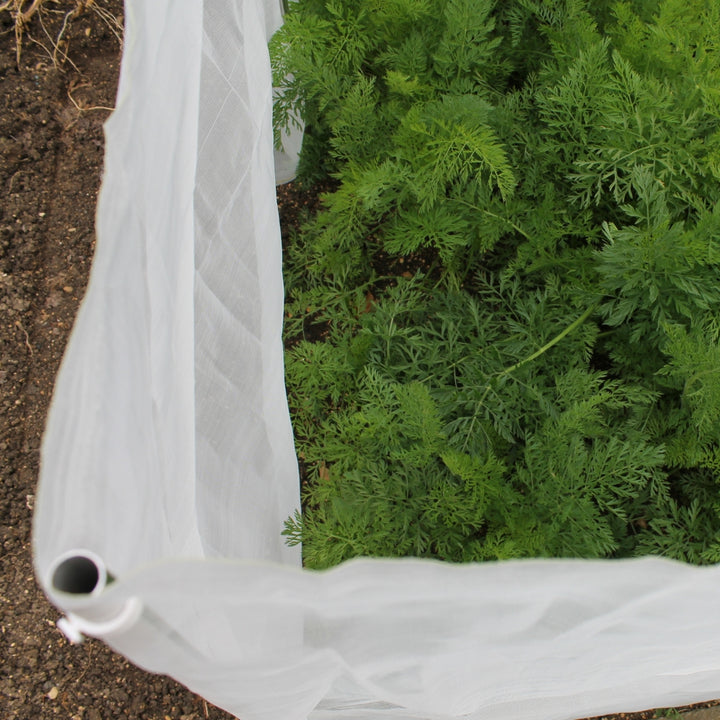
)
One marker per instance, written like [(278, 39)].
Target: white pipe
[(77, 578), (79, 572)]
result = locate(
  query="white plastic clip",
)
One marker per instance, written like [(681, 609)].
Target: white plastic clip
[(70, 630), (75, 627)]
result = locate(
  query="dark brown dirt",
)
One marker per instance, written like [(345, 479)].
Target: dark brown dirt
[(51, 151)]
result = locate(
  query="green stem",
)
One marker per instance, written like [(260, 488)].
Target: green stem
[(695, 378), (496, 216), (553, 342), (537, 354)]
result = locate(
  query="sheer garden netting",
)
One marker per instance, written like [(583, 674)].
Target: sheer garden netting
[(168, 462)]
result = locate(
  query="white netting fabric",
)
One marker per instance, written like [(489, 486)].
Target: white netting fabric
[(168, 457)]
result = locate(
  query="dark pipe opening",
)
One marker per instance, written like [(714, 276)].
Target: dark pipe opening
[(77, 575)]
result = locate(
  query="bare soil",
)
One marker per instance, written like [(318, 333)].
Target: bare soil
[(51, 153)]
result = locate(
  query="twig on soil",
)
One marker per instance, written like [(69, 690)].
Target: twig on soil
[(82, 108), (56, 45), (27, 337), (53, 43), (12, 178), (88, 664), (113, 24), (25, 16), (16, 7), (21, 18)]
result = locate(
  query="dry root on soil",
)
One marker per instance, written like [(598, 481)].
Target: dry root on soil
[(23, 12)]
